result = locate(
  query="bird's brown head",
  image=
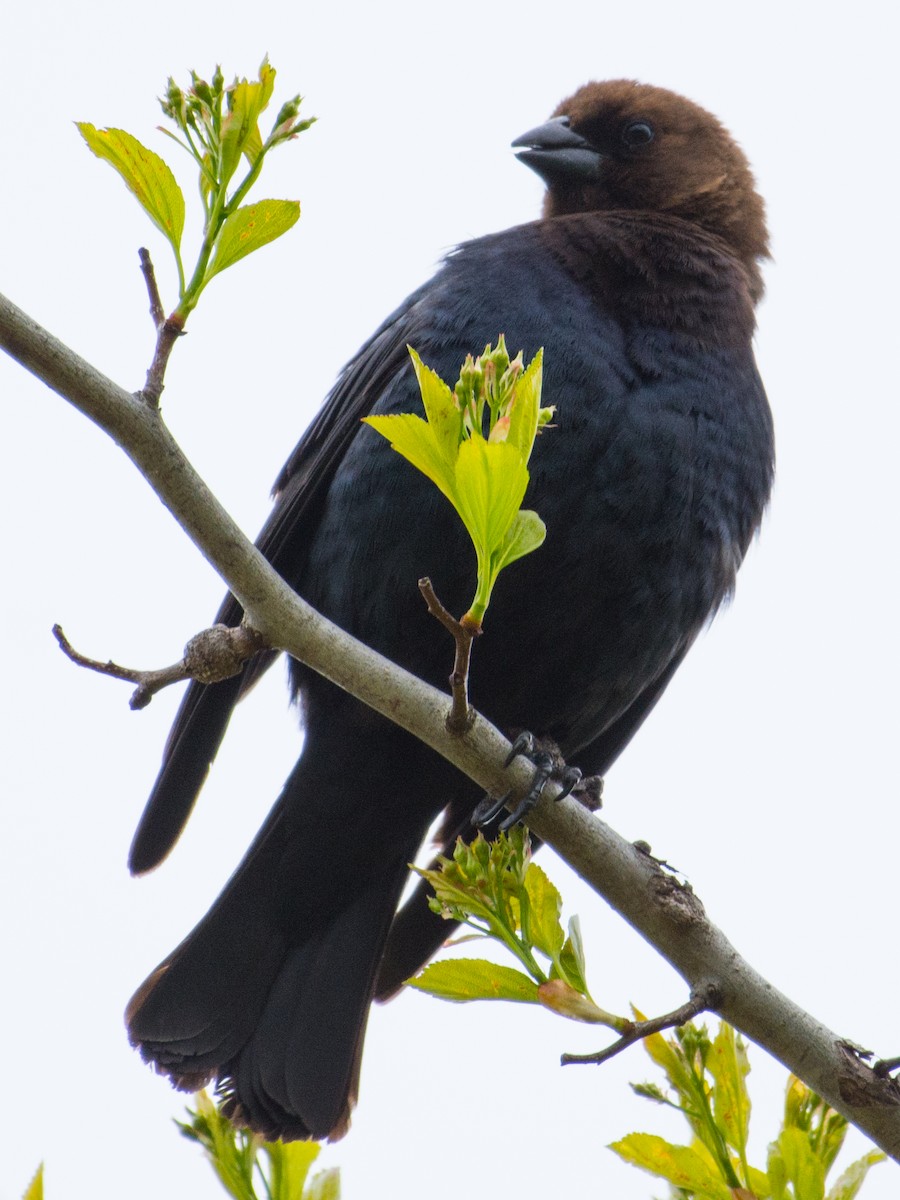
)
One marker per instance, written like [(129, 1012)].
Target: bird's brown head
[(622, 145)]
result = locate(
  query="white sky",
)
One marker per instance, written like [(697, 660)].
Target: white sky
[(768, 774)]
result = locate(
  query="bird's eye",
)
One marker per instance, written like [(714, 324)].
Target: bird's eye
[(637, 133)]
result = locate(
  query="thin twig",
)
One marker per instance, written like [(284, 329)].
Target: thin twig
[(701, 1000), (461, 715), (168, 331), (157, 312), (209, 657)]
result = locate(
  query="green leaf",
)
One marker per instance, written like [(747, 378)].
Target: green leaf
[(682, 1166), (571, 959), (240, 129), (289, 1165), (801, 1166), (523, 416), (671, 1059), (490, 482), (35, 1189), (847, 1187), (545, 906), (231, 1152), (249, 228), (443, 416), (324, 1186), (760, 1187), (729, 1067), (526, 533), (146, 175), (462, 979), (412, 437)]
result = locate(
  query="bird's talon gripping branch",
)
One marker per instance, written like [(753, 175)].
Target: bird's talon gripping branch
[(548, 764), (569, 780), (524, 745), (488, 808)]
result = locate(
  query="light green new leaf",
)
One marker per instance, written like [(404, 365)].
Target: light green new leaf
[(682, 1166), (847, 1187), (462, 979), (444, 417), (490, 482), (571, 959), (523, 417), (802, 1168), (729, 1067), (560, 997), (146, 175), (240, 129), (324, 1186), (545, 905), (760, 1186), (776, 1172), (412, 437), (249, 228), (289, 1166), (526, 533), (35, 1189), (669, 1058)]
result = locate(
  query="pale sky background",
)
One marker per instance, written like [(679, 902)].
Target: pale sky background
[(768, 774)]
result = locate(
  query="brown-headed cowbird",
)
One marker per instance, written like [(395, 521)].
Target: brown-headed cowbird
[(640, 282)]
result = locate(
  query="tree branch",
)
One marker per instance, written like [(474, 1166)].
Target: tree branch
[(210, 656), (666, 913)]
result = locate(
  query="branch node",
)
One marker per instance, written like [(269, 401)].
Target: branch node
[(209, 657), (168, 331)]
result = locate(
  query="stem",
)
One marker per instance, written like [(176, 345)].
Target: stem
[(720, 1146), (249, 179), (157, 312), (701, 1000), (464, 632), (167, 335)]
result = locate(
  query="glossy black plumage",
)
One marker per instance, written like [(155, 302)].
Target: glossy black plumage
[(640, 283)]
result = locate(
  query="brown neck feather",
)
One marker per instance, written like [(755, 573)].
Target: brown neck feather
[(660, 270)]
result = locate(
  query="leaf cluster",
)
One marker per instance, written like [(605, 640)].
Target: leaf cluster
[(243, 1160), (498, 892), (707, 1084), (474, 445), (218, 126)]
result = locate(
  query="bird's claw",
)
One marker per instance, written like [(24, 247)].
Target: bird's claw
[(548, 764), (524, 744)]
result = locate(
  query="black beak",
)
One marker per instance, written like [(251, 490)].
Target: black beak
[(558, 154)]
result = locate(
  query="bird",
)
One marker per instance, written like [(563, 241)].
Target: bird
[(640, 280)]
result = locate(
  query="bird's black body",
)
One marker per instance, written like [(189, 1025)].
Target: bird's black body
[(651, 486)]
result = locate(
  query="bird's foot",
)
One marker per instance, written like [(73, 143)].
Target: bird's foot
[(549, 764), (884, 1067)]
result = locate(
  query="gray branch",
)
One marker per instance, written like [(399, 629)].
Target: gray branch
[(667, 914)]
